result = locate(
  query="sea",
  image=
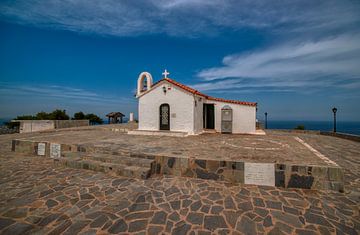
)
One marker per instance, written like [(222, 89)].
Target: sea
[(343, 127)]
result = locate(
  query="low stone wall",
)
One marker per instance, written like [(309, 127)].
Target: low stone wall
[(342, 135), (323, 177), (70, 123), (328, 133), (286, 175), (32, 147), (297, 131), (27, 126)]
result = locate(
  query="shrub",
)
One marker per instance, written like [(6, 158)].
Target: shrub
[(300, 127)]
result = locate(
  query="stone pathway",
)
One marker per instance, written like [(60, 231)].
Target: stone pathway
[(37, 197)]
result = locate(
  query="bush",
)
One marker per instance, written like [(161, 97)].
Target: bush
[(94, 119), (79, 116), (26, 117), (300, 127), (58, 115)]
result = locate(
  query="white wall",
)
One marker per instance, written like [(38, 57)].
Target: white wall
[(27, 126), (244, 117), (181, 105)]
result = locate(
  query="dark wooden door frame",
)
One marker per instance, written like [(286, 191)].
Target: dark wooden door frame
[(208, 122), (164, 126)]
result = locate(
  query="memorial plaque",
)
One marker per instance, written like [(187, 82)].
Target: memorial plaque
[(55, 150), (259, 173), (41, 149)]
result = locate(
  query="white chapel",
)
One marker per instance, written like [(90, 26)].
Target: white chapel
[(168, 105)]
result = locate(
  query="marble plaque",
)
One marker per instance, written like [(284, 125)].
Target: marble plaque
[(259, 173), (41, 149), (55, 150)]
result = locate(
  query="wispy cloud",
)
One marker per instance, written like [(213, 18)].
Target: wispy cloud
[(75, 95), (330, 62), (186, 18)]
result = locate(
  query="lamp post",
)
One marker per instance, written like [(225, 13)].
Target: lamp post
[(265, 120), (334, 111)]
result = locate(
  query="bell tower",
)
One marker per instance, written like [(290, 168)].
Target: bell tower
[(144, 83)]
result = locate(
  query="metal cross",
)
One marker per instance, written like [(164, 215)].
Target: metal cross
[(165, 73)]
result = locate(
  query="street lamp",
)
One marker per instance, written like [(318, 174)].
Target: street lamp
[(334, 111), (265, 120)]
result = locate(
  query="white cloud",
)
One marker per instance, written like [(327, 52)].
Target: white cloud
[(76, 95), (186, 18), (331, 62)]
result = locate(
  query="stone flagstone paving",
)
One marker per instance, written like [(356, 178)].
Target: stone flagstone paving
[(38, 198)]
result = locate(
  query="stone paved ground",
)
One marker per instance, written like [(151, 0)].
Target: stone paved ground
[(36, 197), (271, 148)]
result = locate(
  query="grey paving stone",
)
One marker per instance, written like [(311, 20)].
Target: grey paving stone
[(195, 218), (99, 221), (268, 221), (119, 226), (4, 222), (16, 213), (138, 225), (181, 229), (51, 203), (246, 226), (316, 219), (159, 218), (212, 222), (76, 227), (17, 229)]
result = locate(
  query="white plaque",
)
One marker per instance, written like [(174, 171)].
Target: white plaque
[(55, 150), (41, 149), (259, 173)]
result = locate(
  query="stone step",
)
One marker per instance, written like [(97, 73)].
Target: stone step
[(158, 133), (106, 167), (112, 158)]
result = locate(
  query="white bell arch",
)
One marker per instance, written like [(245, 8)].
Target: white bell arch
[(140, 82)]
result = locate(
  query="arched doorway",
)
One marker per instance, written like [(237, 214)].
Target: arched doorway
[(164, 117)]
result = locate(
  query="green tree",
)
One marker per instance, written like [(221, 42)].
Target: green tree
[(79, 116), (94, 119), (300, 127), (25, 117), (42, 116), (59, 115)]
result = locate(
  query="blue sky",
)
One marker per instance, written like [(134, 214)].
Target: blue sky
[(297, 59)]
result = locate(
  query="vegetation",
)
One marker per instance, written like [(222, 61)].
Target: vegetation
[(79, 116), (94, 119), (56, 115), (300, 127)]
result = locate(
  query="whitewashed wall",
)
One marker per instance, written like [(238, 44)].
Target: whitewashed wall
[(181, 106), (244, 117), (27, 126)]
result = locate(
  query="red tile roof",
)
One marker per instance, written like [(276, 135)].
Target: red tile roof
[(196, 92)]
